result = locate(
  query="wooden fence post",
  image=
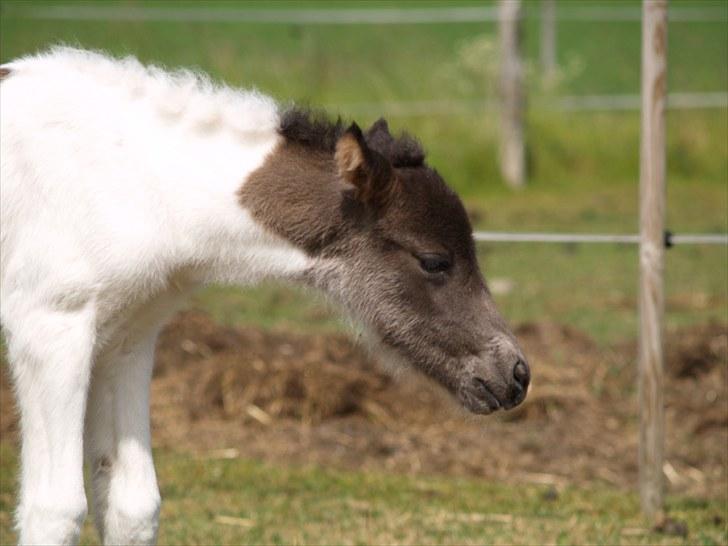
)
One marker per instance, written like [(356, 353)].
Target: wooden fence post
[(651, 255), (548, 41), (512, 146)]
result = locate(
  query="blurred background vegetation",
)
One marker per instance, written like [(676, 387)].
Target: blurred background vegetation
[(583, 177), (583, 166)]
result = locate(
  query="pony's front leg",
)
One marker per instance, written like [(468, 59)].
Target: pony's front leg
[(50, 354), (126, 498)]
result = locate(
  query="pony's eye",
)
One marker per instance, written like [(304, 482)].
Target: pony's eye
[(433, 263)]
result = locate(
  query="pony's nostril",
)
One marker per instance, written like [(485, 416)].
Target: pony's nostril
[(521, 374), (485, 394)]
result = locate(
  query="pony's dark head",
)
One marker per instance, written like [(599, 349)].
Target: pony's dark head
[(393, 244)]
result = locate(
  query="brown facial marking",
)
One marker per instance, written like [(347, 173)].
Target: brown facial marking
[(378, 218), (298, 196), (4, 72)]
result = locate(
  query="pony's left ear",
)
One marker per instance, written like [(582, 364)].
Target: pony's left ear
[(367, 170)]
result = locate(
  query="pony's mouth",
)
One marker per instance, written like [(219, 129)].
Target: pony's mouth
[(484, 396), (478, 398)]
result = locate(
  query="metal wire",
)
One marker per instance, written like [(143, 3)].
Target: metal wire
[(699, 239), (670, 239)]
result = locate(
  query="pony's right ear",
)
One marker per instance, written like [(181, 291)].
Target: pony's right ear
[(368, 171)]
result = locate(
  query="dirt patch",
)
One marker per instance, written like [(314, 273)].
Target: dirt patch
[(696, 351), (320, 399)]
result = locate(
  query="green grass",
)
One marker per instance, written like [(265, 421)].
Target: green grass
[(321, 64), (584, 167), (247, 502)]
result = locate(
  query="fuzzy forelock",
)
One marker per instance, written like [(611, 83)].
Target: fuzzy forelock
[(314, 129)]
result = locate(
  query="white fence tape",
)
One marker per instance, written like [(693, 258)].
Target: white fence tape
[(575, 103)]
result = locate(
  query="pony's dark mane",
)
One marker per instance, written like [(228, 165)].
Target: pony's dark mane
[(315, 130), (311, 129)]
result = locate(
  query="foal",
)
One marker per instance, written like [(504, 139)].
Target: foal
[(124, 188)]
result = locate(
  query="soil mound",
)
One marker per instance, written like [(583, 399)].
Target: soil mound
[(695, 351), (321, 399)]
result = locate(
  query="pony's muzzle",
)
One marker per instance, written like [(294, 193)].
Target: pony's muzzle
[(490, 386)]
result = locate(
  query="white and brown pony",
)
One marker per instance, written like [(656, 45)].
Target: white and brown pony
[(123, 188)]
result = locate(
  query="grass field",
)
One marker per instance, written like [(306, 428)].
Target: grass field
[(584, 166), (584, 169), (208, 501)]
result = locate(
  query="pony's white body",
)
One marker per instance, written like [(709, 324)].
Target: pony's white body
[(118, 195)]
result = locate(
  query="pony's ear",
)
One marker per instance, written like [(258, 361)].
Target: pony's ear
[(367, 170), (379, 127), (350, 150), (378, 138)]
